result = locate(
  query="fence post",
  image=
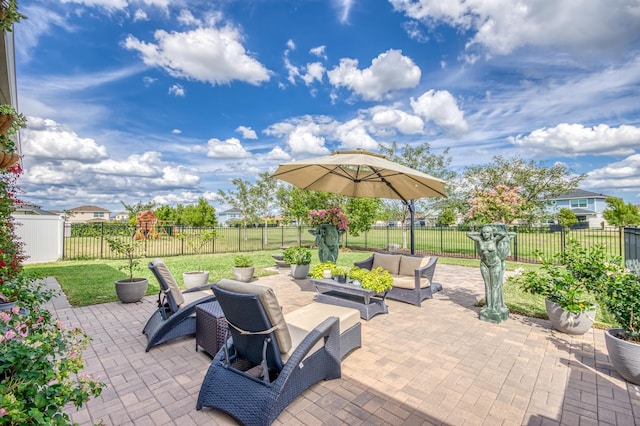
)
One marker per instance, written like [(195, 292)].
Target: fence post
[(562, 239), (515, 244), (101, 239), (441, 239)]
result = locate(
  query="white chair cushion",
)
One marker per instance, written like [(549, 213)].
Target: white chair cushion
[(390, 262), (409, 264)]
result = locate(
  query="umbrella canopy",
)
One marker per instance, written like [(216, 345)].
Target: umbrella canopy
[(360, 174)]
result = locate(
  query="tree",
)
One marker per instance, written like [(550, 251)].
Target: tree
[(242, 199), (447, 217), (501, 204), (618, 213), (422, 159), (567, 218), (361, 213), (165, 213), (200, 214), (265, 191), (537, 182)]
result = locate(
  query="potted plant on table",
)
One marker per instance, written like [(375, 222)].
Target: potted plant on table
[(299, 258), (378, 279), (131, 289), (196, 242), (243, 268), (339, 274)]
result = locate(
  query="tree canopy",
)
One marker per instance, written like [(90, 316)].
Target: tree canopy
[(618, 213)]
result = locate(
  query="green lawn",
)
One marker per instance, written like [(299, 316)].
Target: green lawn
[(88, 282)]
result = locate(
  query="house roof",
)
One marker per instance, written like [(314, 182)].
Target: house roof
[(88, 209), (579, 193), (97, 219), (230, 211), (33, 209)]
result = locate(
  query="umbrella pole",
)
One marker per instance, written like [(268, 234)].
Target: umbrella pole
[(412, 231)]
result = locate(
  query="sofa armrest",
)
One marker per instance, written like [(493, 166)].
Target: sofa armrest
[(426, 271), (365, 264)]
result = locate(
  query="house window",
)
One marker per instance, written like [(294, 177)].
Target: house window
[(98, 214), (579, 203)]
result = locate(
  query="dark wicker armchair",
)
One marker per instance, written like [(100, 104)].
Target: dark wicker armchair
[(176, 311), (261, 369)]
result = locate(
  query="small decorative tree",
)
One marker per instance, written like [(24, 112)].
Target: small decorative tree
[(129, 249), (196, 242)]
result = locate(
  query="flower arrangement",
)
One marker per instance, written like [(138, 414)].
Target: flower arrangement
[(317, 271), (332, 216), (40, 361)]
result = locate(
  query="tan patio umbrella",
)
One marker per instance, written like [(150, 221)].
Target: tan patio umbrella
[(362, 174)]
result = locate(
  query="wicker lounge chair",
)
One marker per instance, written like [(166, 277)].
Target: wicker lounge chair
[(176, 311), (262, 369)]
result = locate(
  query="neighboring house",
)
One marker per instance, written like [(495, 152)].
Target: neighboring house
[(121, 217), (229, 215), (87, 214), (587, 206), (32, 209)]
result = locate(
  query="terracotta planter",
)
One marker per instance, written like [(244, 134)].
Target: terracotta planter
[(195, 278), (131, 291), (8, 159), (5, 122), (568, 322), (624, 355)]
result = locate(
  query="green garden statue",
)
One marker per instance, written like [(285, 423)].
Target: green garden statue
[(492, 243), (328, 242)]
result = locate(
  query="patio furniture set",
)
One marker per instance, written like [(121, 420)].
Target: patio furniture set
[(263, 359)]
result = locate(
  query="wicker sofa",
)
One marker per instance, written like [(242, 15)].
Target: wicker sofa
[(412, 275)]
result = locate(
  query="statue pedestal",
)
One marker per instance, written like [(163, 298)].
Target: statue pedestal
[(495, 316)]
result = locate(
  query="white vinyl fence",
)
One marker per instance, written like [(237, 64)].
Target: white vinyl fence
[(42, 236)]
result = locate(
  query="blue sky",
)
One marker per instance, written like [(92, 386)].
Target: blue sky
[(168, 100)]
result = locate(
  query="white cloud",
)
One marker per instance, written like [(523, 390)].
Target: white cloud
[(315, 71), (501, 26), (441, 108), (277, 154), (344, 7), (247, 132), (106, 4), (622, 175), (388, 72), (46, 139), (306, 134), (177, 90), (176, 131), (385, 117), (319, 51), (575, 139), (230, 148), (353, 135), (212, 55), (140, 165), (140, 15)]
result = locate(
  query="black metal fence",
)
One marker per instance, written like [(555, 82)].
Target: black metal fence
[(87, 241), (631, 243)]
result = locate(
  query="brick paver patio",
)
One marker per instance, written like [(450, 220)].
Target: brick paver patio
[(438, 364)]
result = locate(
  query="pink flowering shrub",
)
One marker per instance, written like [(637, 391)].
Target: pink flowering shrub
[(40, 363), (332, 216), (502, 204)]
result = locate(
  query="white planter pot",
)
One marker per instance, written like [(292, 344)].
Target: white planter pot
[(131, 291), (243, 274), (624, 355), (568, 322), (300, 271), (195, 278)]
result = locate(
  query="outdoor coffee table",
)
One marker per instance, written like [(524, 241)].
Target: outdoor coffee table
[(211, 327), (349, 295)]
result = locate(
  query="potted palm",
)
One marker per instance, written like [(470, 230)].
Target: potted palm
[(196, 242), (299, 258), (130, 289), (243, 268)]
